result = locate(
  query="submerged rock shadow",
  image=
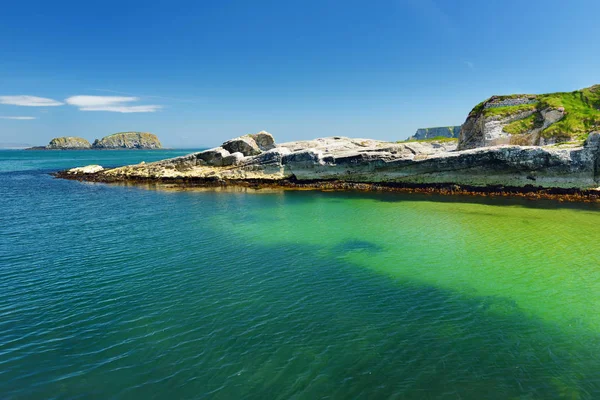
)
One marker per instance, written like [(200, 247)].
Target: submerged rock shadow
[(357, 245)]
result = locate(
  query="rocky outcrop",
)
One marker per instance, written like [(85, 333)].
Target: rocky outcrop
[(430, 133), (532, 119), (250, 145), (481, 130), (89, 169), (245, 145), (128, 140), (68, 143), (341, 159)]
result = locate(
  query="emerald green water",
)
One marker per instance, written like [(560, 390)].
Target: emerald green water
[(125, 292)]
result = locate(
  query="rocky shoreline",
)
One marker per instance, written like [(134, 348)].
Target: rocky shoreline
[(535, 146), (567, 172), (447, 189)]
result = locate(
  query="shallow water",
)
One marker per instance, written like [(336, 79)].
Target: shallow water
[(122, 292)]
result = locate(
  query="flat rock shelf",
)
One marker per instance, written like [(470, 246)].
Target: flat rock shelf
[(568, 172)]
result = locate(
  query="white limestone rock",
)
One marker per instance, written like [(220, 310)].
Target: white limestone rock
[(88, 169)]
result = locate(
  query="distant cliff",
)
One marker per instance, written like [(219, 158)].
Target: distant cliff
[(532, 120), (128, 140), (65, 143), (430, 133)]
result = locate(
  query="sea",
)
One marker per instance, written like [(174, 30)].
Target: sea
[(153, 292)]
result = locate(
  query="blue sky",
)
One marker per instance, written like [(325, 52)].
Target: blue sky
[(199, 72)]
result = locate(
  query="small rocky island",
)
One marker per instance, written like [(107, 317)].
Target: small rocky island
[(128, 140), (65, 143), (69, 143), (121, 140), (538, 145)]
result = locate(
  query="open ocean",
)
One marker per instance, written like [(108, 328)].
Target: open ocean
[(130, 292)]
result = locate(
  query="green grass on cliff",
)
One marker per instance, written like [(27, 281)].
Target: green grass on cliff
[(523, 125), (582, 112), (503, 110), (509, 110), (581, 107)]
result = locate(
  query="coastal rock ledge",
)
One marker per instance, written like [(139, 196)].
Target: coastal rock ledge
[(340, 162)]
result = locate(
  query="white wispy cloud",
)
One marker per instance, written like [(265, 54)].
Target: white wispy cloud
[(125, 109), (110, 103), (189, 100), (19, 118), (29, 101)]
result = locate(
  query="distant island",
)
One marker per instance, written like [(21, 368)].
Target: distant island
[(534, 145), (121, 140)]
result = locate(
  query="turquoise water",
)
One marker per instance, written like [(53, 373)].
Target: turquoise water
[(132, 292)]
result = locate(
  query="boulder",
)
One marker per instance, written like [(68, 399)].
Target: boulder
[(243, 144), (213, 157), (264, 140)]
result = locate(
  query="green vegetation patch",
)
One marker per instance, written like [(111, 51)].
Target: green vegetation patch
[(524, 125), (582, 113), (509, 110), (487, 111)]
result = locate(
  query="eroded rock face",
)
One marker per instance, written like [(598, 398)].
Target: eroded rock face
[(551, 116), (128, 140), (487, 128), (69, 143), (481, 131)]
